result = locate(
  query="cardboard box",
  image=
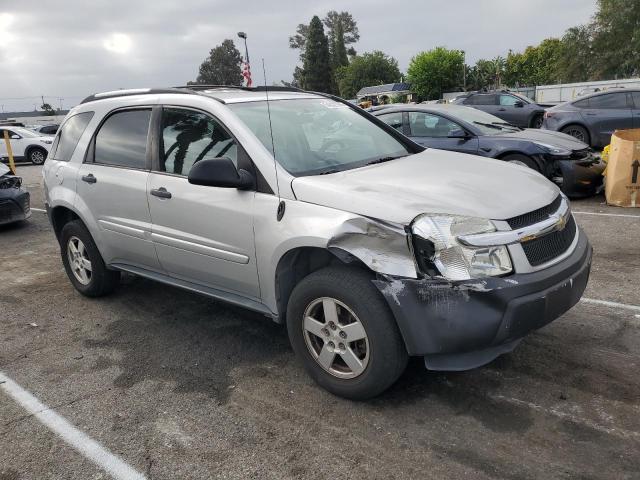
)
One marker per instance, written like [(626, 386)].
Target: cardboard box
[(623, 169)]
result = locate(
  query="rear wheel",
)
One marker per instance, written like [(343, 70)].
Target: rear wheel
[(344, 333), (523, 160), (578, 132), (536, 121), (83, 262)]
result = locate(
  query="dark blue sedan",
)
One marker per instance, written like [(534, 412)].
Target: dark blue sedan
[(563, 159)]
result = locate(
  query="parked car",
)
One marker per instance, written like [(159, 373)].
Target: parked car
[(46, 129), (509, 106), (318, 215), (593, 118), (25, 144), (14, 199), (561, 158)]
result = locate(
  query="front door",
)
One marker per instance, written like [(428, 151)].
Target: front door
[(112, 190), (202, 234), (434, 131)]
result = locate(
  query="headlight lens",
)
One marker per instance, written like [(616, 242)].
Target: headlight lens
[(554, 150), (453, 260), (49, 142)]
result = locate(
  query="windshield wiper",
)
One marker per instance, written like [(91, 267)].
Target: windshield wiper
[(506, 124), (383, 159)]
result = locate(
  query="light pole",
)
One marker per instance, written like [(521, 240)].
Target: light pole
[(246, 50)]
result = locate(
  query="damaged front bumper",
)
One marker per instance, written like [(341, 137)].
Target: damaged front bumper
[(466, 324)]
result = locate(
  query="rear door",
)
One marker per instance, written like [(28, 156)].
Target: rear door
[(112, 189), (435, 131), (607, 113), (487, 102), (202, 234)]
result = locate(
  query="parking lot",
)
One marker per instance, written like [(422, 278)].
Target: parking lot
[(181, 386)]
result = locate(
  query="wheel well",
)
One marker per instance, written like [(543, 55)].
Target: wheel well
[(300, 262), (60, 216), (30, 148), (534, 160)]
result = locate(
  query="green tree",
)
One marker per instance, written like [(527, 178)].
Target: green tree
[(317, 72), (222, 67), (342, 30), (576, 62), (338, 49), (48, 109), (365, 70), (436, 71), (616, 40)]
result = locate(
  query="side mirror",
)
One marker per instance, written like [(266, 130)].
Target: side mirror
[(15, 136), (220, 172), (519, 104), (458, 133)]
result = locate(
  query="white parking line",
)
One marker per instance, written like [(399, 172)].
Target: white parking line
[(606, 303), (608, 214), (39, 210), (85, 445)]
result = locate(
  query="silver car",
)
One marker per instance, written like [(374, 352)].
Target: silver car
[(313, 212)]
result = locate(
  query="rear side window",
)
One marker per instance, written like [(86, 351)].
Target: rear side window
[(581, 103), (69, 135), (609, 100), (122, 139), (636, 99), (481, 100), (393, 120)]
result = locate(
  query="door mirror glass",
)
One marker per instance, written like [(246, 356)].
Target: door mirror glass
[(457, 133), (219, 172), (15, 136)]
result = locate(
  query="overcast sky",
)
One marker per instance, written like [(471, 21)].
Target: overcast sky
[(71, 48)]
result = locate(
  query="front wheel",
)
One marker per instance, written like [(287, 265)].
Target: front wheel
[(536, 121), (343, 331), (522, 160), (37, 156)]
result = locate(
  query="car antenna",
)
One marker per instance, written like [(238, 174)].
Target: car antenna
[(281, 205)]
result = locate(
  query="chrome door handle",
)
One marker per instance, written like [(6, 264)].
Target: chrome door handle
[(161, 193)]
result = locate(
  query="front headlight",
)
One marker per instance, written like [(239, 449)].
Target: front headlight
[(437, 246), (553, 149), (48, 142)]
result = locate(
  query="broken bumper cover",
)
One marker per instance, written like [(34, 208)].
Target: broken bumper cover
[(463, 325), (15, 207)]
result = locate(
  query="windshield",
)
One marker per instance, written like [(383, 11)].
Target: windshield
[(483, 121), (316, 136)]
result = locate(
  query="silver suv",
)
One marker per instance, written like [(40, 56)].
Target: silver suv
[(311, 211)]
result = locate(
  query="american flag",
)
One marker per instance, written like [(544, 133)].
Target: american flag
[(246, 73)]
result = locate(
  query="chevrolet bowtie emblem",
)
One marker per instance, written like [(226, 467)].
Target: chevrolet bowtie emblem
[(561, 223)]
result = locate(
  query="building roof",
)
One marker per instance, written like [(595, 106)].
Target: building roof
[(8, 115), (386, 88)]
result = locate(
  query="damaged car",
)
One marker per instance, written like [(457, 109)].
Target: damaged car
[(367, 246), (14, 199)]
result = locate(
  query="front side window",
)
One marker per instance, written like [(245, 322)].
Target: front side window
[(122, 139), (312, 136), (188, 137), (69, 135), (393, 120), (481, 100), (427, 125), (609, 100), (509, 100)]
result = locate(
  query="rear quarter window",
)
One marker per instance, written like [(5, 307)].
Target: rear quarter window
[(67, 138)]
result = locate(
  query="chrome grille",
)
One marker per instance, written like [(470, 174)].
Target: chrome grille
[(543, 249), (535, 216)]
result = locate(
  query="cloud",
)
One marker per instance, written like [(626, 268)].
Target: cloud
[(72, 48)]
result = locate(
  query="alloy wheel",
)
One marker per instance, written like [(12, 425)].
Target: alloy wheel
[(79, 260), (575, 133), (37, 157), (336, 338)]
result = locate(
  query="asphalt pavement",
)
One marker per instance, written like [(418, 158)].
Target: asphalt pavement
[(179, 386)]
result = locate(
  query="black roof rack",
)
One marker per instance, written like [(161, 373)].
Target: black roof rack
[(184, 89)]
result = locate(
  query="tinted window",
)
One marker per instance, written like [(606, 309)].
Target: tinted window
[(509, 100), (66, 141), (636, 99), (609, 100), (393, 119), (49, 130), (581, 103), (481, 100), (427, 125), (122, 139), (189, 137)]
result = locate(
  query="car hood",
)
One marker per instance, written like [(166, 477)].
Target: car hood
[(433, 181), (549, 137)]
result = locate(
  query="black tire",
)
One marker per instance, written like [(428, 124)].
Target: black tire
[(536, 121), (578, 132), (37, 155), (520, 159), (387, 355), (102, 281)]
